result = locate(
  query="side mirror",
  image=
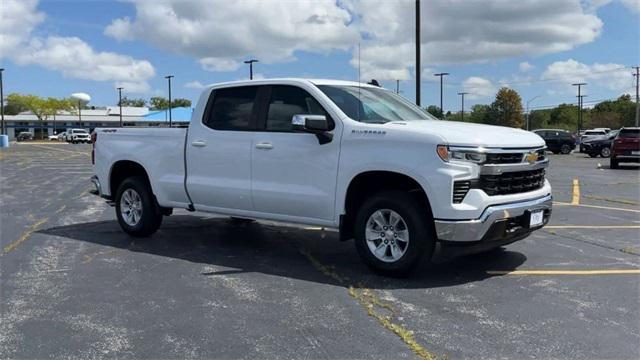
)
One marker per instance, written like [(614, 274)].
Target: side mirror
[(314, 124)]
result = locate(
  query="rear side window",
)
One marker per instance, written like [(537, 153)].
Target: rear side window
[(629, 133), (287, 101), (232, 108)]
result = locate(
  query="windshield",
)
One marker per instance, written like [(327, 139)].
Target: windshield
[(80, 132), (373, 105), (594, 133)]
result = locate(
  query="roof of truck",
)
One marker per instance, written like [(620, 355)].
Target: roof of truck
[(288, 80)]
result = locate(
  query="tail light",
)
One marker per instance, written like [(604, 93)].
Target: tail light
[(94, 138)]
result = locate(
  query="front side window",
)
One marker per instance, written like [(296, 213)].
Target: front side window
[(287, 101), (373, 105), (232, 108)]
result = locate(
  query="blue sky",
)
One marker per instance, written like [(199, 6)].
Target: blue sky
[(55, 48)]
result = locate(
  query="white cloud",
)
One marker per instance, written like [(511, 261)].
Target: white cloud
[(71, 56), (195, 85), (455, 31), (525, 66), (479, 88), (17, 19), (219, 34), (612, 76), (593, 5)]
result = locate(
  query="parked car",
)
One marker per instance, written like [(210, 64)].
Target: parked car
[(337, 154), (23, 136), (558, 141), (76, 136), (54, 137), (626, 147), (590, 134), (62, 136), (600, 145)]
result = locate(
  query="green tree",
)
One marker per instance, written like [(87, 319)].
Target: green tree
[(435, 111), (40, 107), (564, 116), (133, 102), (12, 107), (506, 110), (479, 114), (161, 103), (613, 114)]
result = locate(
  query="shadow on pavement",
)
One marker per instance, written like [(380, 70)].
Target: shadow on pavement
[(280, 250)]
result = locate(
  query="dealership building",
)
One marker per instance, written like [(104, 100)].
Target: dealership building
[(90, 119)]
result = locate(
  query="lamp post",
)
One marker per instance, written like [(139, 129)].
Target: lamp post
[(2, 132), (82, 98), (462, 94), (250, 62), (168, 77), (579, 85), (528, 102), (120, 103), (441, 76)]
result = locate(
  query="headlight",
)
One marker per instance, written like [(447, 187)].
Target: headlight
[(449, 155)]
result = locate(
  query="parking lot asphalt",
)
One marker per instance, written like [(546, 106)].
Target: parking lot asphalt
[(72, 285)]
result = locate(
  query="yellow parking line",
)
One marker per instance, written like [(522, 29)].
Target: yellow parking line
[(592, 227), (25, 235), (565, 272), (595, 206), (576, 192)]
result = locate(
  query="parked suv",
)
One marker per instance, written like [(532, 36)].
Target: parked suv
[(75, 136), (626, 147), (23, 136), (591, 134), (558, 141)]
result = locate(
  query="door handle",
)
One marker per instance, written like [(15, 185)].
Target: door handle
[(199, 143), (264, 146)]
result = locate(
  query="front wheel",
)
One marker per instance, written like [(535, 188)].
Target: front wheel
[(136, 208), (605, 152), (393, 232), (565, 149)]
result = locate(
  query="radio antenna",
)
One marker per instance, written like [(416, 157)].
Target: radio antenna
[(359, 86)]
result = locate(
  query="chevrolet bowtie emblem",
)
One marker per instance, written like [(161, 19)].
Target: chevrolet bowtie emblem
[(531, 157)]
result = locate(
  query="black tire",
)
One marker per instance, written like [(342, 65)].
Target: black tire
[(151, 217), (418, 221), (613, 163), (565, 149), (593, 155), (605, 152)]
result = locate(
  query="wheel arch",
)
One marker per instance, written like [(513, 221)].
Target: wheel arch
[(124, 169), (369, 182)]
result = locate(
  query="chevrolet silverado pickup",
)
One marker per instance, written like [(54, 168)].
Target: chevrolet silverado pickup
[(335, 154)]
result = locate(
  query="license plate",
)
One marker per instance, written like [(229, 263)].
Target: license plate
[(536, 218), (635, 153)]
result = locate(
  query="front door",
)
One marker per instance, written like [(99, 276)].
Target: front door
[(293, 174)]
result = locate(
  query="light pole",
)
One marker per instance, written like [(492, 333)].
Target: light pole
[(168, 77), (441, 76), (418, 79), (462, 94), (250, 62), (397, 86), (528, 102), (82, 98), (580, 102), (2, 132), (120, 103), (579, 85)]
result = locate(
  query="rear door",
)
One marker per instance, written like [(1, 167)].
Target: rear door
[(219, 151), (293, 175)]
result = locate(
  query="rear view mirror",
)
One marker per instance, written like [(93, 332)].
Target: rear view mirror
[(314, 124)]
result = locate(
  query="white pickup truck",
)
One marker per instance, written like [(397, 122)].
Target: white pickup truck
[(335, 154)]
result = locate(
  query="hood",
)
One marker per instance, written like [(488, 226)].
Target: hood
[(470, 134)]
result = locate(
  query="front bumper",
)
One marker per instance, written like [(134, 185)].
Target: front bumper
[(497, 223)]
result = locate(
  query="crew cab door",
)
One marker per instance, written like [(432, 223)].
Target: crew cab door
[(218, 151), (292, 173)]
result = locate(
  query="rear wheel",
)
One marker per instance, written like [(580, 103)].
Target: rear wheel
[(605, 152), (136, 208), (393, 232), (565, 149)]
